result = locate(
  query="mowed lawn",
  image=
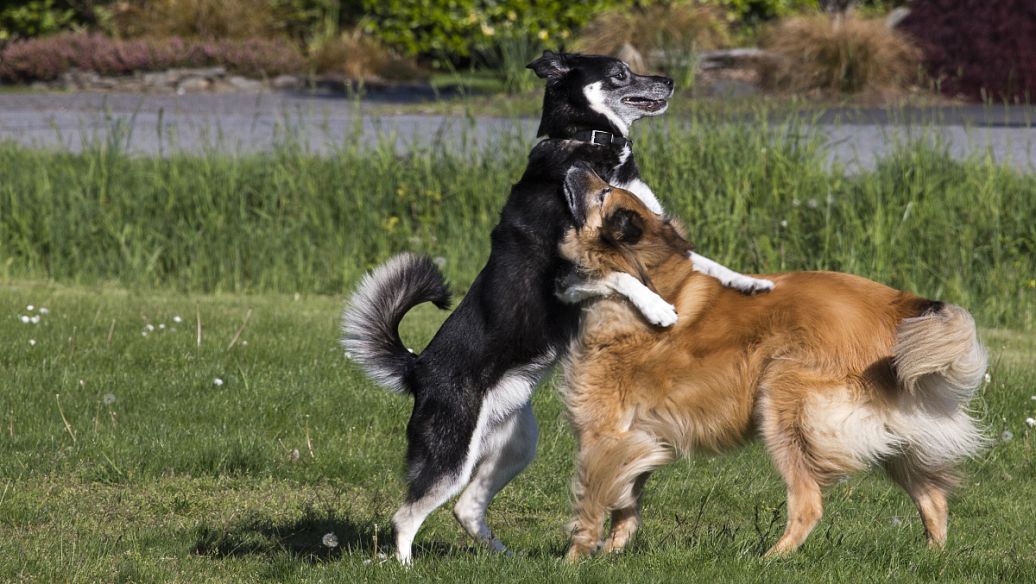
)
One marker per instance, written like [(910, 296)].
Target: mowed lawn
[(125, 460)]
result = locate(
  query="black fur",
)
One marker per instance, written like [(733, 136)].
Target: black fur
[(510, 317)]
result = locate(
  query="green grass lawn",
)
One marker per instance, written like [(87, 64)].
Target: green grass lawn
[(124, 460)]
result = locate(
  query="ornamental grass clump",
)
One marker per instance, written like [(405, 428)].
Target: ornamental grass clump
[(844, 54)]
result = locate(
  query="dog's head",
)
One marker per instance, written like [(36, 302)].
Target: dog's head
[(615, 231), (593, 92)]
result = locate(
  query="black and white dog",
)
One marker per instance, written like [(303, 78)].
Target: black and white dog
[(472, 424)]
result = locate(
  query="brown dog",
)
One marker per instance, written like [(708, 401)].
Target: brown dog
[(834, 372)]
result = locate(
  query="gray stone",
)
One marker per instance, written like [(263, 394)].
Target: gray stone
[(206, 72), (896, 17), (286, 82), (192, 85), (161, 79), (242, 84)]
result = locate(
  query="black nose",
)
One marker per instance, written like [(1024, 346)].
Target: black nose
[(668, 82)]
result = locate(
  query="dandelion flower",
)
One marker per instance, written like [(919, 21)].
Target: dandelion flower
[(108, 399), (1006, 436), (330, 540), (32, 342), (1030, 422), (44, 310), (24, 319), (217, 382), (177, 319)]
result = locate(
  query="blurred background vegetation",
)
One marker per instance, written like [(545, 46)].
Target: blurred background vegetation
[(965, 48)]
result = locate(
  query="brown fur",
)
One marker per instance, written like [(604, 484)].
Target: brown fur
[(811, 368)]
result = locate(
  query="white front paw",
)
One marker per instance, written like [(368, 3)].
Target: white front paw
[(659, 313), (749, 285)]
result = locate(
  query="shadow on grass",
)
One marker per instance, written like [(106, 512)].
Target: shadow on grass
[(307, 538)]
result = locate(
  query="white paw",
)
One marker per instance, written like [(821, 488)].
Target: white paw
[(659, 313), (748, 285), (572, 295)]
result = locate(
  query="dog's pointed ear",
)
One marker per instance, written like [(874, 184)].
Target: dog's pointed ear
[(550, 65), (580, 180), (624, 226)]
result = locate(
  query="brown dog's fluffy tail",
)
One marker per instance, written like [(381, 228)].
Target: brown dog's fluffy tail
[(938, 355)]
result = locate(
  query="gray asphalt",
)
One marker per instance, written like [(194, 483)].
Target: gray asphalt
[(157, 125)]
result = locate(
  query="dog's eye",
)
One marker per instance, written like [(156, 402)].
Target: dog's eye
[(621, 76)]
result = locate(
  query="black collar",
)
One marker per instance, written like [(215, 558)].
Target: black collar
[(601, 138)]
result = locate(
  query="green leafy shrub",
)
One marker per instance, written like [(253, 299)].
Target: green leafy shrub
[(19, 19), (461, 29)]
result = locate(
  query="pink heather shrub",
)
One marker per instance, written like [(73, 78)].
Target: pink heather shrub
[(46, 58)]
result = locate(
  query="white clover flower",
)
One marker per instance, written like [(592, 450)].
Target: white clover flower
[(244, 343), (217, 382), (896, 520), (293, 456), (30, 308), (177, 319), (108, 399), (24, 319), (143, 333), (784, 223), (988, 377), (1030, 422), (330, 540), (1032, 397), (439, 261), (34, 319), (44, 310), (1006, 436), (150, 327), (161, 326), (32, 342)]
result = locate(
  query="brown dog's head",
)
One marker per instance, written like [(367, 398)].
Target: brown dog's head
[(615, 231)]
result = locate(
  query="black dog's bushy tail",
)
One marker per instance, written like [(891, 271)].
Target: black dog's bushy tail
[(370, 323)]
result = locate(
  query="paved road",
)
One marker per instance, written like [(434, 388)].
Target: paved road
[(241, 123)]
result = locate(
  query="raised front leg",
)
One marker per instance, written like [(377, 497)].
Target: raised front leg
[(654, 308), (728, 277)]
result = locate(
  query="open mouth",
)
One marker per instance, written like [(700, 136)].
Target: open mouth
[(643, 103)]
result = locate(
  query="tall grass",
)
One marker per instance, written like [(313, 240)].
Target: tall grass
[(757, 196)]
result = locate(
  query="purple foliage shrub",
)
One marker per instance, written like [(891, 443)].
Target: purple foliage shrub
[(46, 58), (978, 48)]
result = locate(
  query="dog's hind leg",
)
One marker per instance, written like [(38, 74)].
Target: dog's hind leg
[(508, 448), (443, 447), (411, 515), (928, 490), (780, 411)]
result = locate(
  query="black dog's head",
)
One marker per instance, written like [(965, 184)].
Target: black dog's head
[(593, 92)]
